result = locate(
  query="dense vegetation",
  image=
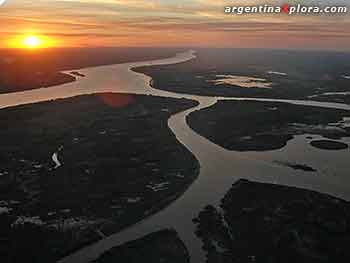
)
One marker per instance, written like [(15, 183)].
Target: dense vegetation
[(307, 73), (260, 126), (272, 223), (119, 163)]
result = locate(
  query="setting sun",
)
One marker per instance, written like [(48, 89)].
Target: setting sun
[(32, 42)]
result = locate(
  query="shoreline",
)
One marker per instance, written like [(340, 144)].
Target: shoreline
[(36, 72), (152, 211)]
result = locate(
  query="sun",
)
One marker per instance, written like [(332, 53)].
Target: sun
[(32, 42)]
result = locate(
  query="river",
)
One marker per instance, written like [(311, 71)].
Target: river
[(219, 168)]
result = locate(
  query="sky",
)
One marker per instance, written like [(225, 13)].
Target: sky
[(180, 23)]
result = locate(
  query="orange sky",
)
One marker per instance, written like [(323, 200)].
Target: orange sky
[(168, 23)]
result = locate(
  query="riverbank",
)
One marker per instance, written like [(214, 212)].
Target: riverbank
[(21, 70), (119, 163), (256, 73)]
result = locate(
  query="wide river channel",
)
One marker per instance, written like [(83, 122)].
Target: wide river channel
[(219, 168)]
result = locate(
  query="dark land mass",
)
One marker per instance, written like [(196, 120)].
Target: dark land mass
[(267, 223), (308, 73), (297, 166), (329, 145), (24, 70), (120, 162), (261, 126), (160, 247)]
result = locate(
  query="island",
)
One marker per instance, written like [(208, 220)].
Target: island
[(297, 166), (77, 73), (260, 222), (261, 126), (329, 145)]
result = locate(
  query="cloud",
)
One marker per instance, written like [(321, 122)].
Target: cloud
[(168, 22)]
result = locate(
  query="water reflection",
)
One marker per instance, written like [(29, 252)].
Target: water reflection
[(241, 81)]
